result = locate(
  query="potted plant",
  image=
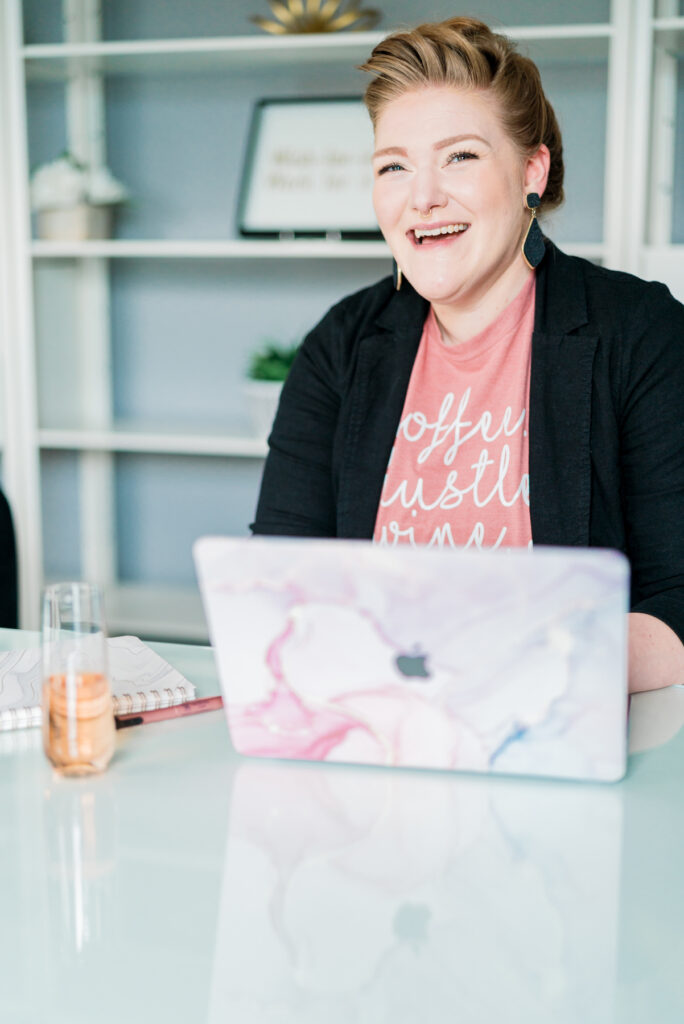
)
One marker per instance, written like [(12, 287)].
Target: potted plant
[(74, 202), (268, 367)]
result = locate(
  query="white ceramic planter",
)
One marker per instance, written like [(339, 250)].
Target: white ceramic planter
[(262, 400), (74, 223)]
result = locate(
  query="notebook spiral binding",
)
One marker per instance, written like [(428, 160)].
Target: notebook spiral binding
[(124, 704)]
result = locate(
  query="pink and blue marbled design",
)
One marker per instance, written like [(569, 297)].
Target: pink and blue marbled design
[(520, 657)]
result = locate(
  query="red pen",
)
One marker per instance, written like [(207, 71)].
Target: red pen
[(190, 707)]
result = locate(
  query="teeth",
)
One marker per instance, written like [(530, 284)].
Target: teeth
[(448, 229)]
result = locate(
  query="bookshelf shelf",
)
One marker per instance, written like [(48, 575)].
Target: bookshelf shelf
[(304, 249), (153, 442), (213, 249), (58, 61), (167, 612), (669, 35)]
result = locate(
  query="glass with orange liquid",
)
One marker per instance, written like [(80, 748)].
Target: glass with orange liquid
[(78, 715)]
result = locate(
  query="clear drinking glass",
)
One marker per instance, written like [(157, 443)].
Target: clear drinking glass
[(78, 715)]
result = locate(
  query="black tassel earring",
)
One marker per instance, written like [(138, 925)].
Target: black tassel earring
[(533, 242), (396, 275)]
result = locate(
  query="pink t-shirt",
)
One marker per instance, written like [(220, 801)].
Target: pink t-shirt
[(458, 474)]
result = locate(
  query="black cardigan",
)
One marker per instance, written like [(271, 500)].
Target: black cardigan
[(606, 422)]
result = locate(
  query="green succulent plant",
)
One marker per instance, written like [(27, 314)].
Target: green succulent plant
[(272, 362)]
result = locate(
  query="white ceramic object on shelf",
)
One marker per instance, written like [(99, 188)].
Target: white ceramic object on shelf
[(262, 399), (74, 223)]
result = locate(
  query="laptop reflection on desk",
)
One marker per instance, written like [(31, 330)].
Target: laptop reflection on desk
[(356, 895)]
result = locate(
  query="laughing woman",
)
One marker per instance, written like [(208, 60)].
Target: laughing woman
[(497, 392)]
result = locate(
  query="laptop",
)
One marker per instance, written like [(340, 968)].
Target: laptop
[(506, 662)]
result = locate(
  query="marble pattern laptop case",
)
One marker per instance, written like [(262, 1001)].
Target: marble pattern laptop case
[(509, 661)]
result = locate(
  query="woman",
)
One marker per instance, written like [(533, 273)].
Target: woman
[(405, 417)]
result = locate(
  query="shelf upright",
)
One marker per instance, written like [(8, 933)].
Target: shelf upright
[(636, 166), (21, 473), (664, 126), (85, 108), (616, 182), (658, 257)]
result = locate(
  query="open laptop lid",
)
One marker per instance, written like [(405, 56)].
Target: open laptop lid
[(509, 662)]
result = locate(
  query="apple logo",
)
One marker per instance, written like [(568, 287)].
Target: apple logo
[(411, 924), (413, 664)]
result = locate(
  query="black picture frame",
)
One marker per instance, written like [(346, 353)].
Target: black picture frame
[(307, 171)]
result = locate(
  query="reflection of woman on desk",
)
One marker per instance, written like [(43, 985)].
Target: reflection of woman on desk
[(405, 417)]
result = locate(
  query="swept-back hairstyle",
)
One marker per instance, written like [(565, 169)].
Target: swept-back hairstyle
[(466, 54)]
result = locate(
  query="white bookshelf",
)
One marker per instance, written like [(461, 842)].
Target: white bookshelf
[(636, 45)]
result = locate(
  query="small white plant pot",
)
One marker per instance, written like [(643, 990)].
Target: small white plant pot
[(262, 400), (74, 223)]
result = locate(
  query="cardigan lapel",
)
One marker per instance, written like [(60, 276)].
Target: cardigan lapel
[(560, 442), (381, 380), (560, 405)]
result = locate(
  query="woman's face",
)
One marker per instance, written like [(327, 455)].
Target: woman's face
[(444, 163)]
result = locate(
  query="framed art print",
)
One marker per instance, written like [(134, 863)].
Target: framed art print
[(308, 170)]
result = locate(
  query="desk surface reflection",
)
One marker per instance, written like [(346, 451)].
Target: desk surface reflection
[(187, 884)]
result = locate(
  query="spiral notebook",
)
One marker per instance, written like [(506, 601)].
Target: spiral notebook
[(140, 680)]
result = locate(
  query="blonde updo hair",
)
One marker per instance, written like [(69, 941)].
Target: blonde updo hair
[(466, 54)]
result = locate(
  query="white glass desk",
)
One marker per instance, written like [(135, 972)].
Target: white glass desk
[(189, 885)]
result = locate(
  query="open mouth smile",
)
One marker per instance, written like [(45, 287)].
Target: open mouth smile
[(438, 233)]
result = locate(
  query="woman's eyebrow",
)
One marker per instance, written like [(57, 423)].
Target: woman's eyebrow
[(453, 139), (389, 149), (442, 144)]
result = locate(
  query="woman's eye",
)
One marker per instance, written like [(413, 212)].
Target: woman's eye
[(456, 158), (390, 167)]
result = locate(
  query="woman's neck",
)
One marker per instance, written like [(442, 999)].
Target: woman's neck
[(462, 320)]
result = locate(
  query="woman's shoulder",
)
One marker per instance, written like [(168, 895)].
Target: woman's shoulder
[(627, 289), (364, 305), (370, 311), (612, 299)]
